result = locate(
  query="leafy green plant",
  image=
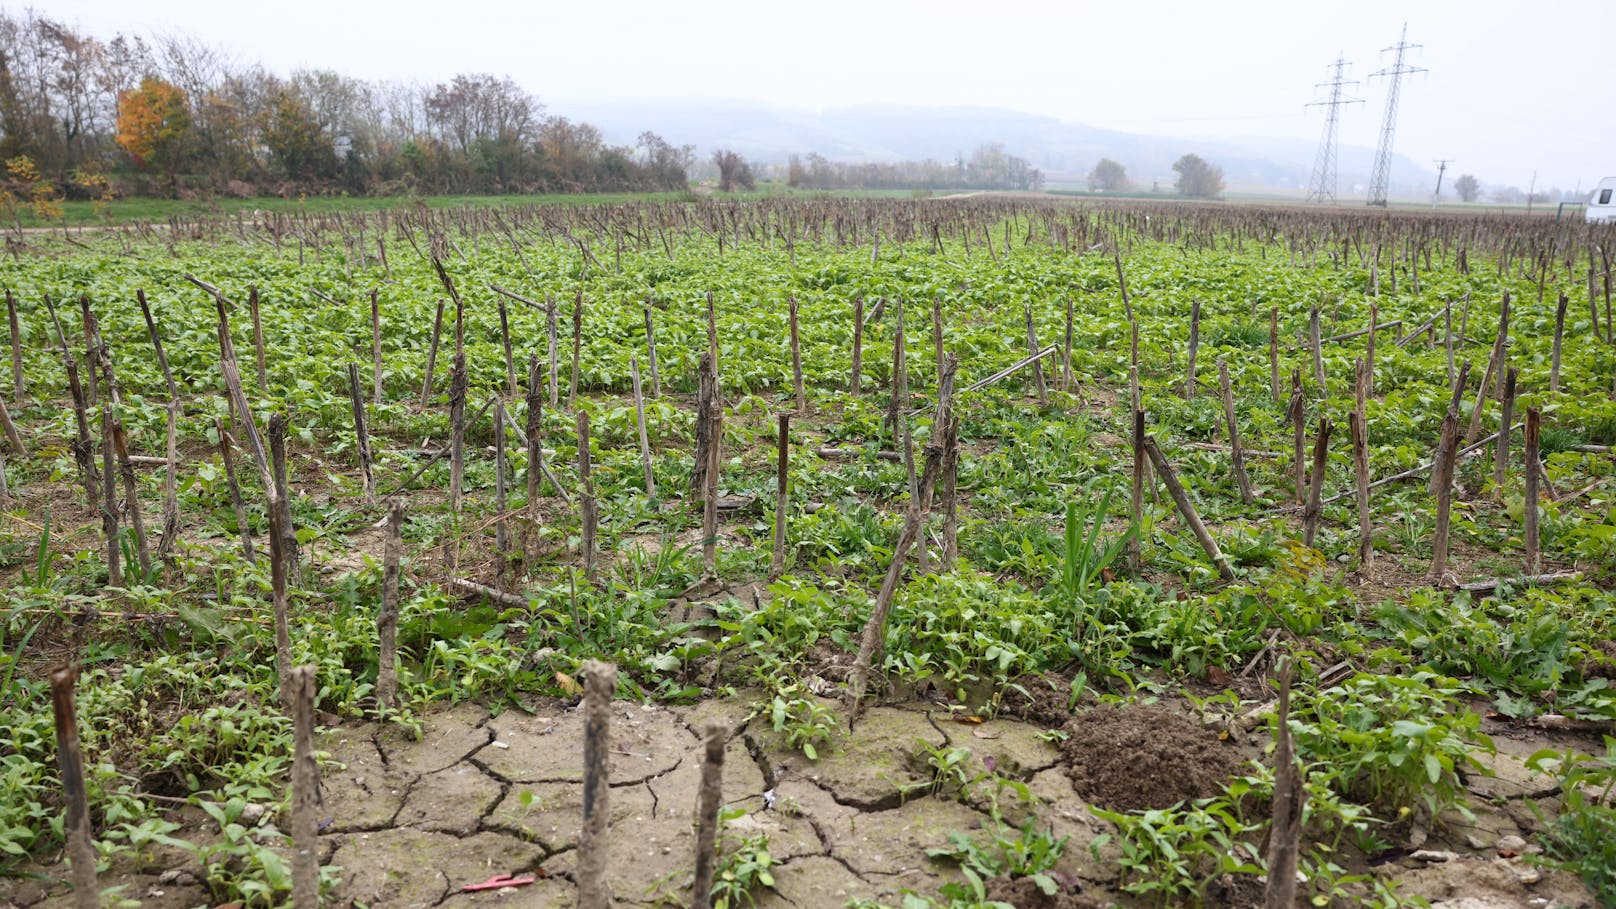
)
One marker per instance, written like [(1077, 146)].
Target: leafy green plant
[(1176, 853), (1581, 838), (744, 866), (803, 720)]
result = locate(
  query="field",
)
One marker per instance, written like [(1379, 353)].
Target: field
[(974, 651)]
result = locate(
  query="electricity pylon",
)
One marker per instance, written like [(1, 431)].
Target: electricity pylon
[(1321, 188), (1380, 179)]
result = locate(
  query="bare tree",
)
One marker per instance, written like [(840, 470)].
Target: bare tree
[(733, 171), (1108, 177)]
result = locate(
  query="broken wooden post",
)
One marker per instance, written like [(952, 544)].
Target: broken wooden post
[(356, 400), (1186, 508), (709, 461), (1534, 556), (70, 763), (282, 499), (535, 461), (782, 486), (1455, 396), (1237, 454), (1315, 489), (600, 684), (1316, 343), (709, 799), (457, 458), (387, 619), (305, 793), (1369, 353), (171, 485), (554, 360), (432, 355), (586, 496), (949, 497), (277, 585), (13, 437), (505, 342)]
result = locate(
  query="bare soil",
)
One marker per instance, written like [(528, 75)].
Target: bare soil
[(1137, 757)]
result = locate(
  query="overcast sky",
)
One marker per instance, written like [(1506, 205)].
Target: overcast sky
[(1513, 87)]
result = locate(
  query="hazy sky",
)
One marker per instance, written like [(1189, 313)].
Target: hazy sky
[(1513, 87)]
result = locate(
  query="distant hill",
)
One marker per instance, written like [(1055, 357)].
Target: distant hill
[(1062, 149)]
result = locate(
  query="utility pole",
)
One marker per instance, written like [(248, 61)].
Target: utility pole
[(1531, 190), (1380, 179), (1321, 188), (1441, 168)]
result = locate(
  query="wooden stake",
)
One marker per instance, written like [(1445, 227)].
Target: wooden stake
[(1067, 382), (782, 485), (1122, 286), (1559, 330), (157, 344), (535, 460), (796, 357), (361, 436), (1317, 346), (600, 684), (1273, 353), (457, 450), (639, 422), (1534, 555), (1186, 508), (1501, 455), (577, 348), (18, 390), (1442, 480), (171, 483), (235, 490), (1500, 343), (1037, 365), (949, 496), (1455, 395), (13, 437), (1369, 354), (70, 763), (1493, 365), (858, 345), (1358, 429), (586, 496), (710, 442), (709, 799), (1297, 415), (1315, 490), (258, 339), (432, 355), (1289, 802), (282, 500), (502, 543), (554, 361), (387, 619), (1237, 455), (1195, 346), (305, 792), (505, 341), (875, 629), (278, 558), (650, 344), (376, 341)]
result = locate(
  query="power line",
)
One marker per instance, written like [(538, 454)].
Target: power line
[(1321, 188), (1380, 178)]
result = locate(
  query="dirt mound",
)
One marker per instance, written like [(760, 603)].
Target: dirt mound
[(1023, 893), (1133, 757)]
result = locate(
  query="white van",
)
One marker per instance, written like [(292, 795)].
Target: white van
[(1602, 204)]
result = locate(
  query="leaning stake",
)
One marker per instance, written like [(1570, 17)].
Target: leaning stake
[(305, 793)]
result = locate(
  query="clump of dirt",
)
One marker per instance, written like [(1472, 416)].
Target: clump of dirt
[(1023, 893), (1236, 891), (1040, 699), (1134, 757)]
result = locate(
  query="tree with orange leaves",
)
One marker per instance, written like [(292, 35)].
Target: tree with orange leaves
[(153, 121)]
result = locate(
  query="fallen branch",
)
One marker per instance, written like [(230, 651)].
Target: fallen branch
[(498, 596), (1531, 580)]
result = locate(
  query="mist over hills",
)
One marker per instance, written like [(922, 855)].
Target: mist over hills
[(1064, 150)]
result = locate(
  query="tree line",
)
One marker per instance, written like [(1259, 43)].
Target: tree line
[(173, 116), (989, 167)]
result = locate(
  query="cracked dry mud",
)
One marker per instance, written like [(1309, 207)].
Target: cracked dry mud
[(411, 822)]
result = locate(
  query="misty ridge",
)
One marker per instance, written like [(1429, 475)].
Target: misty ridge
[(85, 117)]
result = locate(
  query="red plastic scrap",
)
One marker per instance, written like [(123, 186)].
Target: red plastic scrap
[(500, 881)]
